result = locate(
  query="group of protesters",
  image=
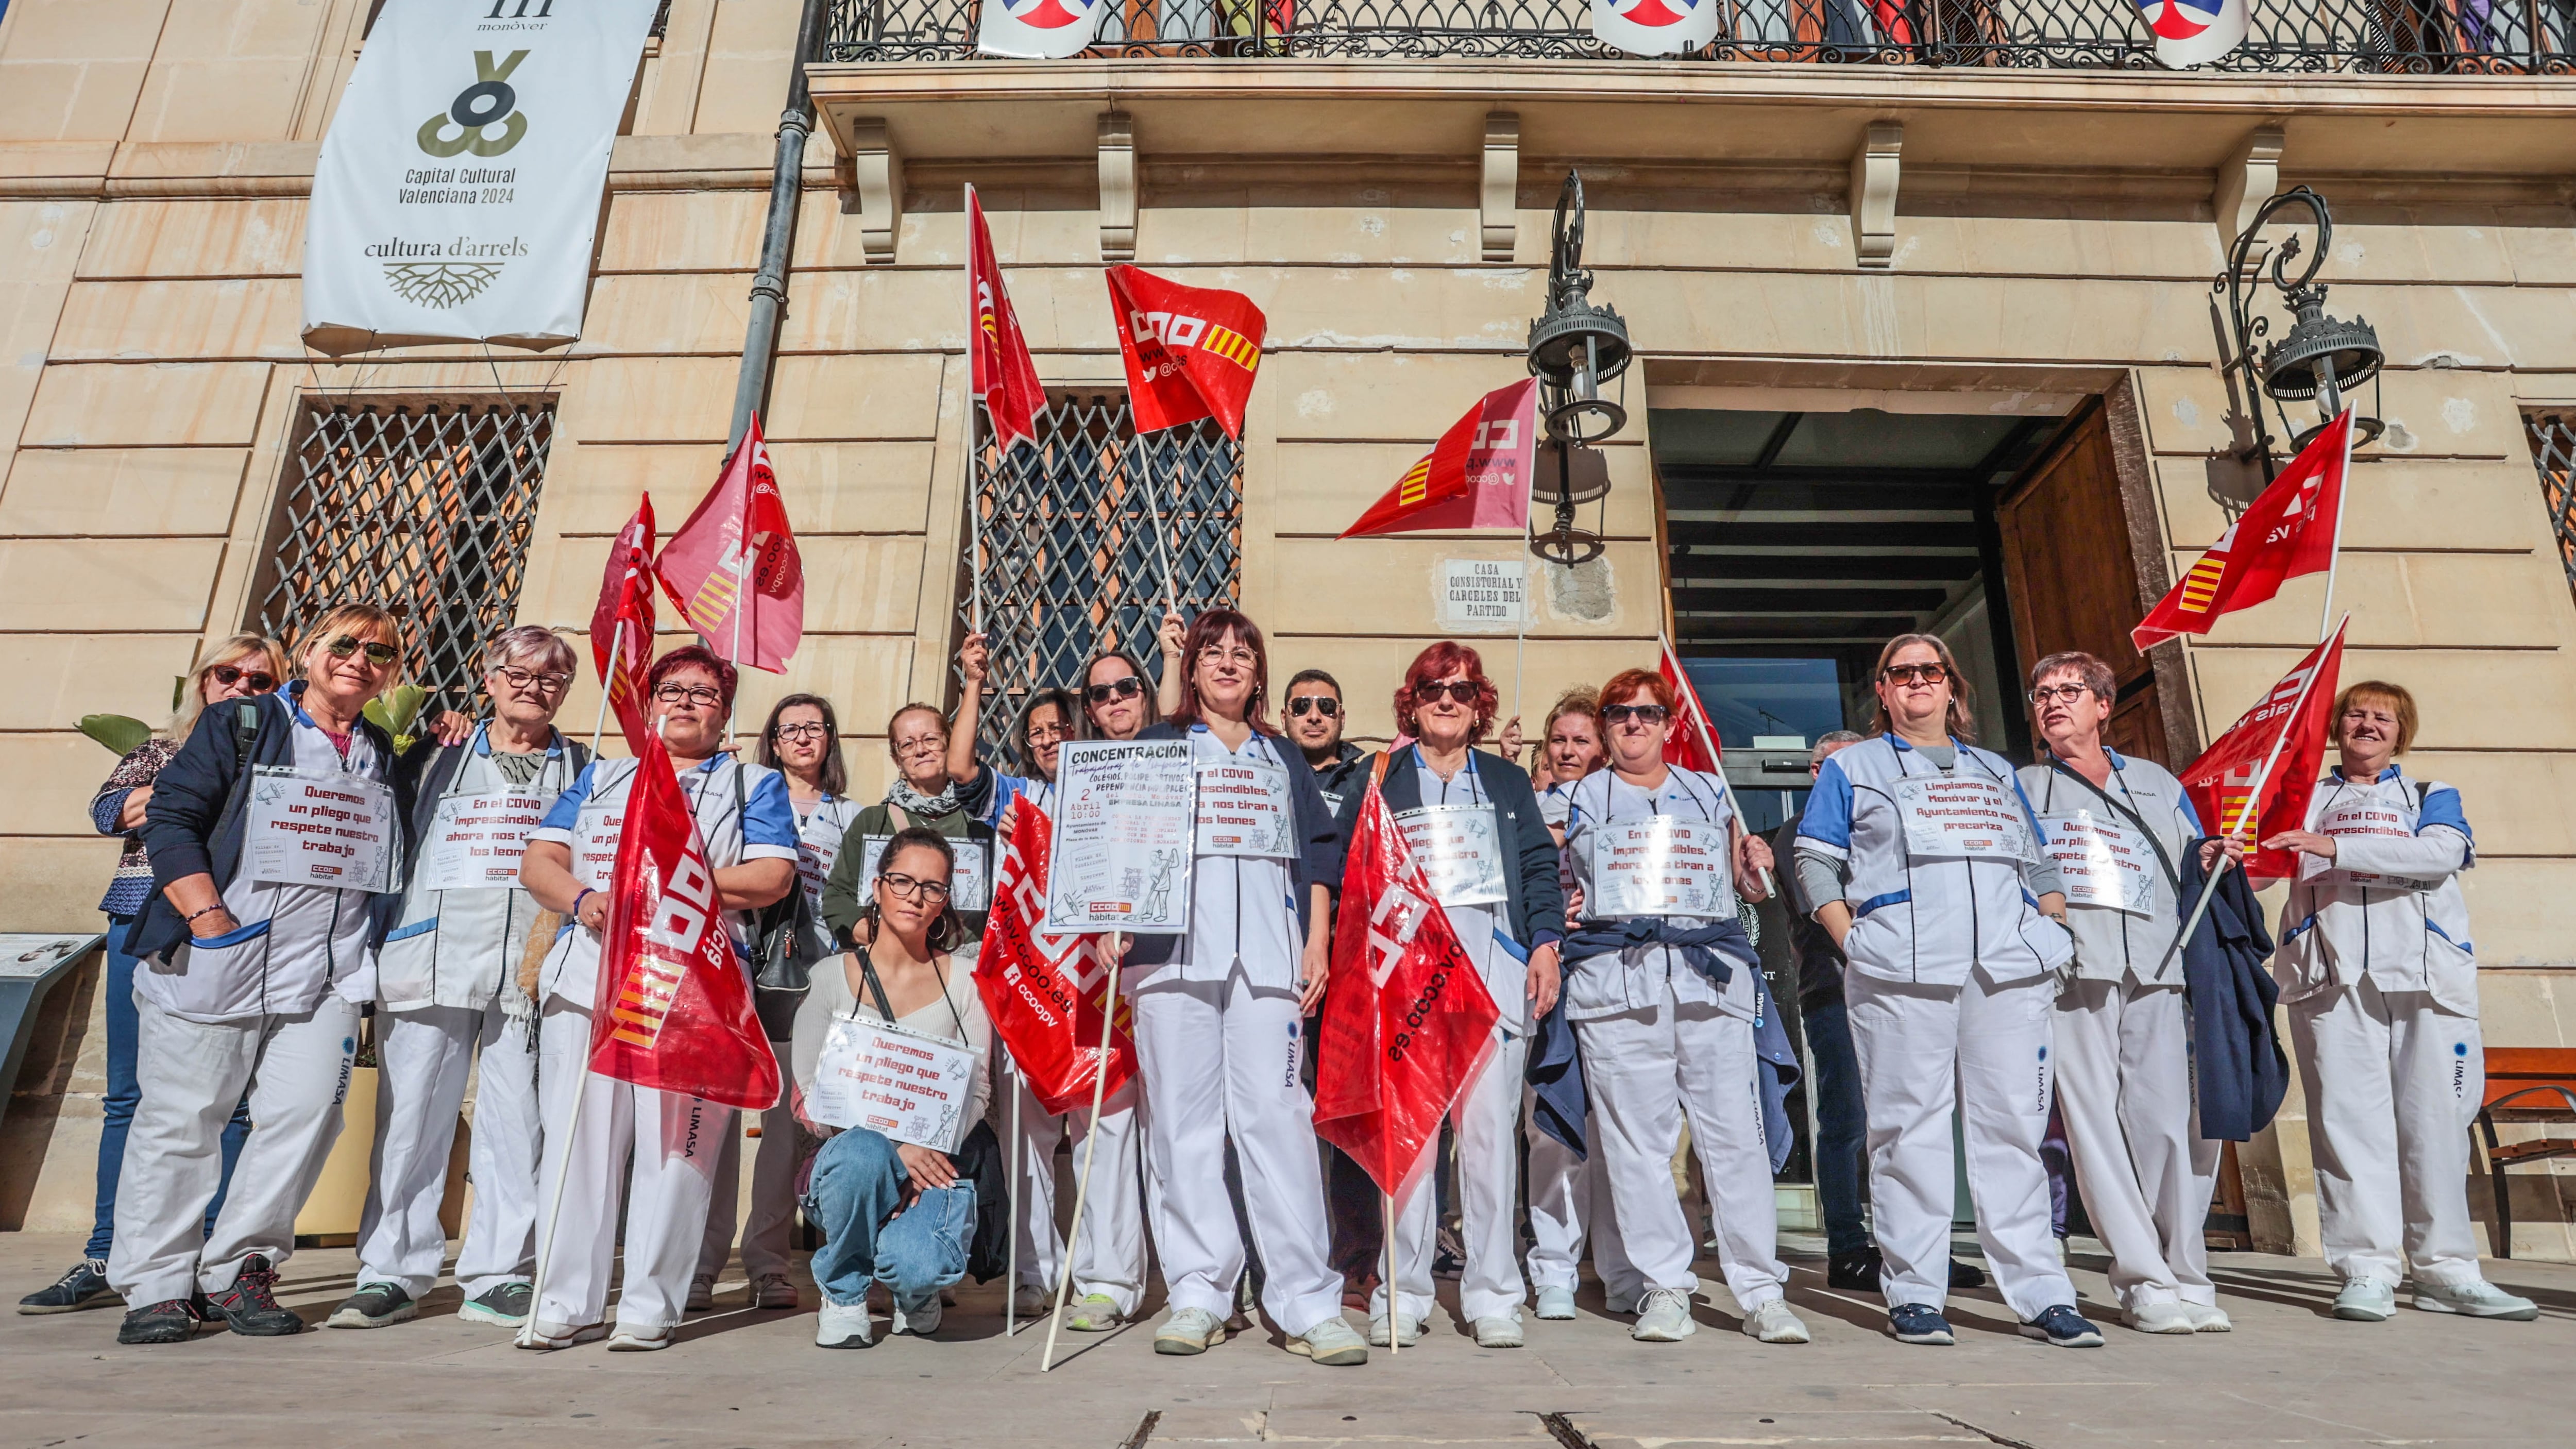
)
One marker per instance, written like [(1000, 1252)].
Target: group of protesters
[(1941, 975)]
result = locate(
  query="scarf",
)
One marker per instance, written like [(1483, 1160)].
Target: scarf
[(923, 807)]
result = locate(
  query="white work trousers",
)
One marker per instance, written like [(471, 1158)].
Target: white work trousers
[(423, 1058), (675, 1140), (191, 1075), (2124, 1090), (1569, 1203), (1220, 1060), (1487, 1120), (770, 1236), (2386, 1074), (1109, 1259), (1649, 1069), (1980, 1051)]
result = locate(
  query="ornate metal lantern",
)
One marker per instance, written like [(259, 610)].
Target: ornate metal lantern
[(1575, 347), (2320, 359)]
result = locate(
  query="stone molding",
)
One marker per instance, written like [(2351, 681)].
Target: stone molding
[(876, 180), (1874, 170), (1499, 198), (2246, 180), (1117, 187)]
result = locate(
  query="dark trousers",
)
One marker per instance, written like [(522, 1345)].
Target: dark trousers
[(1842, 1126)]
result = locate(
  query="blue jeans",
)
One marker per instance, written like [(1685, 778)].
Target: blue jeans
[(858, 1185), (123, 1093), (1842, 1126)]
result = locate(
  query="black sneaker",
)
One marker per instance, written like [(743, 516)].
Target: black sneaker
[(85, 1286), (1966, 1275), (250, 1306), (374, 1305), (2063, 1327), (502, 1307), (1919, 1323), (1854, 1272), (174, 1321)]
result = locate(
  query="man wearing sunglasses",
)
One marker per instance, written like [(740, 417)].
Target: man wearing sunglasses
[(1315, 722)]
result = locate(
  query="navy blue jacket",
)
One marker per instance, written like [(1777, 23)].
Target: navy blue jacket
[(1537, 898), (2243, 1072), (1319, 857)]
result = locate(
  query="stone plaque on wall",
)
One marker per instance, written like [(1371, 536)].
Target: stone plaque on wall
[(1483, 592)]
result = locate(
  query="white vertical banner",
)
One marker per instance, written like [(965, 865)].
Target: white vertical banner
[(1039, 29), (457, 195), (1655, 27)]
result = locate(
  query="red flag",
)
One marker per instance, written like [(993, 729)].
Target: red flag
[(1407, 1019), (674, 1011), (626, 598), (2288, 729), (1191, 351), (1043, 993), (1693, 744), (1477, 476), (706, 562), (2290, 531), (998, 367)]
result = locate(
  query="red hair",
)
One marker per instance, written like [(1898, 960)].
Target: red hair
[(1444, 658), (1208, 628), (1628, 681), (700, 656)]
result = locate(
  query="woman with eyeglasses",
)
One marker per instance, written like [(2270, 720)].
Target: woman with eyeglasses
[(448, 998), (1924, 854), (273, 834), (243, 665), (1666, 996), (1219, 1017), (747, 827), (1474, 827), (924, 794)]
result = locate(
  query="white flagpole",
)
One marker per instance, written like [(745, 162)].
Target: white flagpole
[(1111, 950), (527, 1336), (1394, 1304), (1019, 1152), (974, 328), (616, 666), (2334, 552)]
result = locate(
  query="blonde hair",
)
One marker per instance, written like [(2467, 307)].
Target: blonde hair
[(2379, 691), (353, 619), (1962, 715), (192, 694)]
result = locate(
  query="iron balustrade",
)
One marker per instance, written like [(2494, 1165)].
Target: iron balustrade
[(2553, 452), (2358, 37)]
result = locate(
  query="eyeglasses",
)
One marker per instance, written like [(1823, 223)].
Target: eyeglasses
[(1224, 654), (1652, 714), (930, 891), (2063, 693), (524, 679), (1045, 734), (701, 696), (1299, 706), (261, 682), (1462, 691), (812, 731), (1114, 689), (348, 644), (1914, 673)]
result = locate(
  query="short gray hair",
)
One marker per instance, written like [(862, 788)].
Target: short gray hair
[(2092, 673), (526, 640), (1830, 741)]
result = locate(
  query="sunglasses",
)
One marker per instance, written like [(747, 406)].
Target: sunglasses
[(1914, 673), (1461, 691), (1126, 688), (1323, 704), (348, 644), (261, 682), (1652, 714)]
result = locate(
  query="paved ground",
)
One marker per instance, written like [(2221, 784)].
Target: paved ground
[(2288, 1375)]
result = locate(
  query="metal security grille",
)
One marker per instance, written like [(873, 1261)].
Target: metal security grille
[(2553, 451), (1074, 540), (424, 507)]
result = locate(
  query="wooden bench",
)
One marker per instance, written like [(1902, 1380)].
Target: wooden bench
[(2524, 1085)]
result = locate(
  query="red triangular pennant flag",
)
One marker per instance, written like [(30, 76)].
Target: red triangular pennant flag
[(999, 370), (1693, 744), (2289, 531), (2229, 786), (623, 621), (1190, 351), (1477, 476), (1043, 993), (710, 572)]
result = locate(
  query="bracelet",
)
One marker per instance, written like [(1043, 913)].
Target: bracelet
[(586, 894), (208, 911)]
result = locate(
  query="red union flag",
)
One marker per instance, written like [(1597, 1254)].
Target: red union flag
[(711, 571), (1044, 993), (674, 1011), (1000, 372), (1693, 744), (1407, 1020), (623, 621), (1477, 476), (1190, 351), (2289, 531), (2287, 730)]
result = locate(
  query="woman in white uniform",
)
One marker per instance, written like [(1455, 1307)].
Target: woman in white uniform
[(448, 1003), (1219, 1017), (1663, 987), (2377, 971), (271, 836), (747, 827), (1923, 851), (2116, 829), (1474, 827)]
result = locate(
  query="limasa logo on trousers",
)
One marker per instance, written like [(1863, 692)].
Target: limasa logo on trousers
[(490, 101)]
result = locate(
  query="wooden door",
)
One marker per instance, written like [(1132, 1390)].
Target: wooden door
[(2072, 580)]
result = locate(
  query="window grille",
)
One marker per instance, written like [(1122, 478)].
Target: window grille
[(2553, 451), (424, 507), (1065, 538)]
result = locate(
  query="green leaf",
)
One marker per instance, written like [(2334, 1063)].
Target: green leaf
[(122, 734), (396, 709)]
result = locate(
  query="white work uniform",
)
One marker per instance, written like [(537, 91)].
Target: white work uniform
[(1569, 1202), (1661, 1042), (2123, 1030), (448, 1003), (1953, 972), (1219, 1038), (2380, 979), (743, 814), (271, 1006)]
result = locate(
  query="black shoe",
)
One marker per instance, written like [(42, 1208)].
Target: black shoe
[(502, 1307), (1966, 1275), (250, 1306), (2063, 1327), (374, 1305), (172, 1322), (1854, 1272), (85, 1286), (1919, 1323)]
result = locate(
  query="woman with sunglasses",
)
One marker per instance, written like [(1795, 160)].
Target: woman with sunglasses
[(747, 828), (1219, 1014), (243, 665), (273, 834), (449, 1003), (924, 794), (1666, 996), (1474, 826), (1924, 853)]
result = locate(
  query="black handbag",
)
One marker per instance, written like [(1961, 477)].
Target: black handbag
[(786, 944)]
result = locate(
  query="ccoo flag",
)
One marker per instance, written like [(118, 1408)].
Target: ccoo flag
[(1655, 27), (1039, 29), (1043, 993), (1693, 744), (746, 600), (2289, 531), (1190, 351), (622, 621), (2195, 32), (1000, 372), (2229, 785), (1477, 476)]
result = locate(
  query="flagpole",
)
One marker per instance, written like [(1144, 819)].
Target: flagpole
[(1394, 1304), (2334, 550), (1690, 692), (741, 587), (1111, 949), (1011, 1200), (974, 328), (527, 1335), (608, 685)]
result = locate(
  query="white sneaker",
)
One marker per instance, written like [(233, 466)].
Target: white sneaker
[(1775, 1322), (1618, 1302), (1378, 1335), (1501, 1330), (773, 1290), (844, 1325), (1333, 1343), (1664, 1317), (2160, 1315), (1189, 1330), (702, 1292), (1556, 1304), (1029, 1301), (2208, 1318), (2476, 1298), (2366, 1300), (544, 1335), (920, 1322), (638, 1340)]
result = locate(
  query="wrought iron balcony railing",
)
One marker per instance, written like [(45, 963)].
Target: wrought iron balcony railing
[(2363, 37)]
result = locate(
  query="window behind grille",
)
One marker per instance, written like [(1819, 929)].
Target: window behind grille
[(1072, 560), (2553, 450), (421, 505)]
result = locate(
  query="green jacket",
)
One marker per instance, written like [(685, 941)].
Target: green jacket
[(847, 888)]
